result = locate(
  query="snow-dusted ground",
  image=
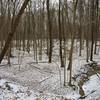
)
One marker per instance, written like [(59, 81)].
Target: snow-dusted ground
[(17, 92), (92, 88), (43, 81)]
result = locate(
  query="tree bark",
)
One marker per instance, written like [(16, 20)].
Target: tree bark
[(60, 35), (92, 29), (72, 41), (50, 32)]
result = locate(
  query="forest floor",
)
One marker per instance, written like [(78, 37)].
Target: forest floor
[(25, 79)]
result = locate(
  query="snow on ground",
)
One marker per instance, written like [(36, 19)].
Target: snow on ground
[(92, 88), (10, 91), (43, 81)]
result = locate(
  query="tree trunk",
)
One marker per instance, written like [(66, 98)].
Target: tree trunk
[(72, 41), (50, 32), (92, 29), (60, 36)]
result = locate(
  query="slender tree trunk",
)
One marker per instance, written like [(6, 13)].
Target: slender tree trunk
[(72, 42), (50, 32), (80, 24), (97, 25), (87, 49), (60, 35), (92, 29)]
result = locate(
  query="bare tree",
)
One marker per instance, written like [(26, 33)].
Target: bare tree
[(50, 31), (60, 35), (11, 34), (72, 40), (92, 16)]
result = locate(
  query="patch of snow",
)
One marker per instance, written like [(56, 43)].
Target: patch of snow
[(92, 88)]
